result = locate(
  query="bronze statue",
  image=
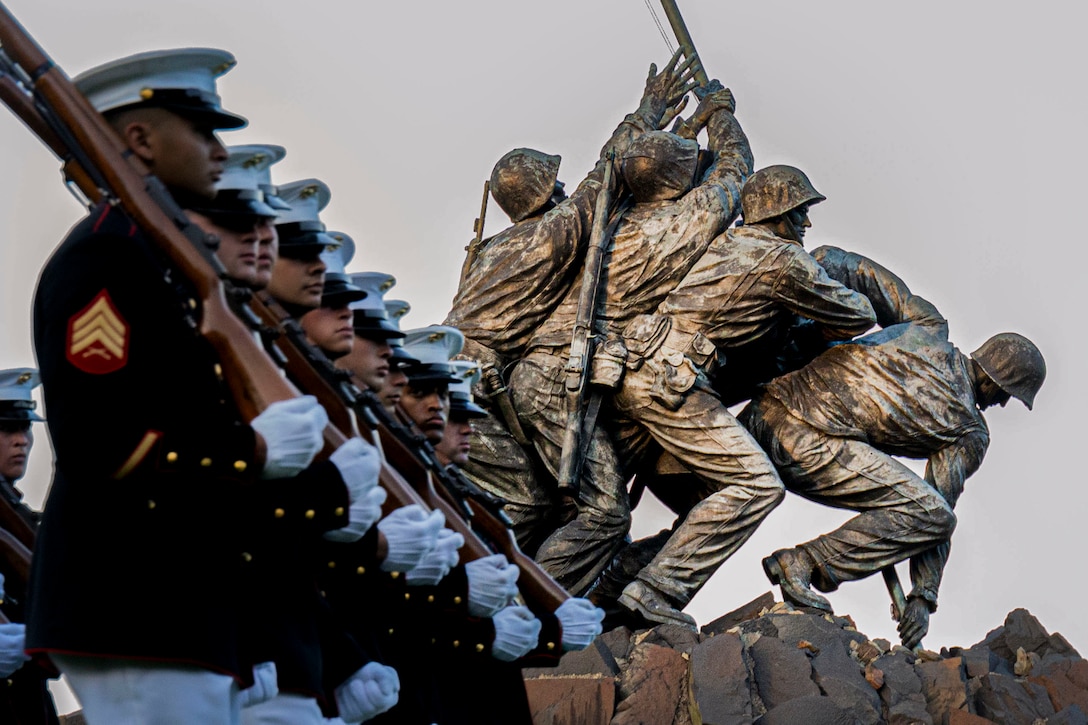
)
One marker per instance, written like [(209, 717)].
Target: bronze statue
[(515, 279), (748, 285), (655, 241), (833, 427)]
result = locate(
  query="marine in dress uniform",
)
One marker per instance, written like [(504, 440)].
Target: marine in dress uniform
[(290, 629), (371, 358), (155, 469), (24, 697)]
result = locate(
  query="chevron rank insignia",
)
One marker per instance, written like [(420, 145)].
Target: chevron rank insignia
[(98, 337)]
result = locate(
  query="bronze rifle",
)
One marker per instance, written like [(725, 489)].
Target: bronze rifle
[(578, 364)]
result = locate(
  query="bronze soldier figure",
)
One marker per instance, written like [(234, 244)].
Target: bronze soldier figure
[(654, 243), (514, 279), (833, 427), (749, 284)]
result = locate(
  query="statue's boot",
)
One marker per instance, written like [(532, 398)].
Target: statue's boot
[(652, 606), (791, 569)]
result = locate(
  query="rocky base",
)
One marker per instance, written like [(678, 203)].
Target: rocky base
[(769, 664)]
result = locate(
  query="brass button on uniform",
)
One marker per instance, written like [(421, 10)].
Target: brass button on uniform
[(407, 596), (150, 504), (394, 574), (171, 457), (279, 513), (240, 466), (551, 646), (456, 643), (205, 462), (332, 564), (339, 511), (310, 514), (360, 570), (479, 648), (430, 599), (246, 556), (457, 600)]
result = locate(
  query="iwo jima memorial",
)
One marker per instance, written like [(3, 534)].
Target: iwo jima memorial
[(442, 524)]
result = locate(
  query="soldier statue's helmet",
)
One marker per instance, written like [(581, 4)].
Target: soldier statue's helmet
[(16, 402), (462, 405), (775, 190), (369, 317), (523, 181), (181, 81), (1014, 363), (660, 166)]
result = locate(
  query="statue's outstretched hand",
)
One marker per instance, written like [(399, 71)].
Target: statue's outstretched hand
[(666, 92)]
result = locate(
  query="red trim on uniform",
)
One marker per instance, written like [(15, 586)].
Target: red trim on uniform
[(98, 337), (101, 217)]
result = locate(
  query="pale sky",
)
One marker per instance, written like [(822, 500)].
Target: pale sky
[(948, 138)]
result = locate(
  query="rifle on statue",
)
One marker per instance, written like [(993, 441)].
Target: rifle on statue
[(580, 420), (473, 249)]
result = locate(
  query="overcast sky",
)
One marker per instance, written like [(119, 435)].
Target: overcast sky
[(948, 138)]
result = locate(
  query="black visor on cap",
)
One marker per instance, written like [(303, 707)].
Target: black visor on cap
[(235, 208), (367, 323), (339, 291), (431, 373), (19, 411), (401, 356), (191, 103), (462, 406), (273, 199)]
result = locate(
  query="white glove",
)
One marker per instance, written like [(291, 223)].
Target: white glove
[(265, 685), (12, 644), (492, 583), (361, 516), (292, 432), (368, 693), (359, 464), (581, 622), (411, 534), (516, 633), (436, 565)]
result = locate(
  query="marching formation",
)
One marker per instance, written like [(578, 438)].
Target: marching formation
[(332, 518)]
